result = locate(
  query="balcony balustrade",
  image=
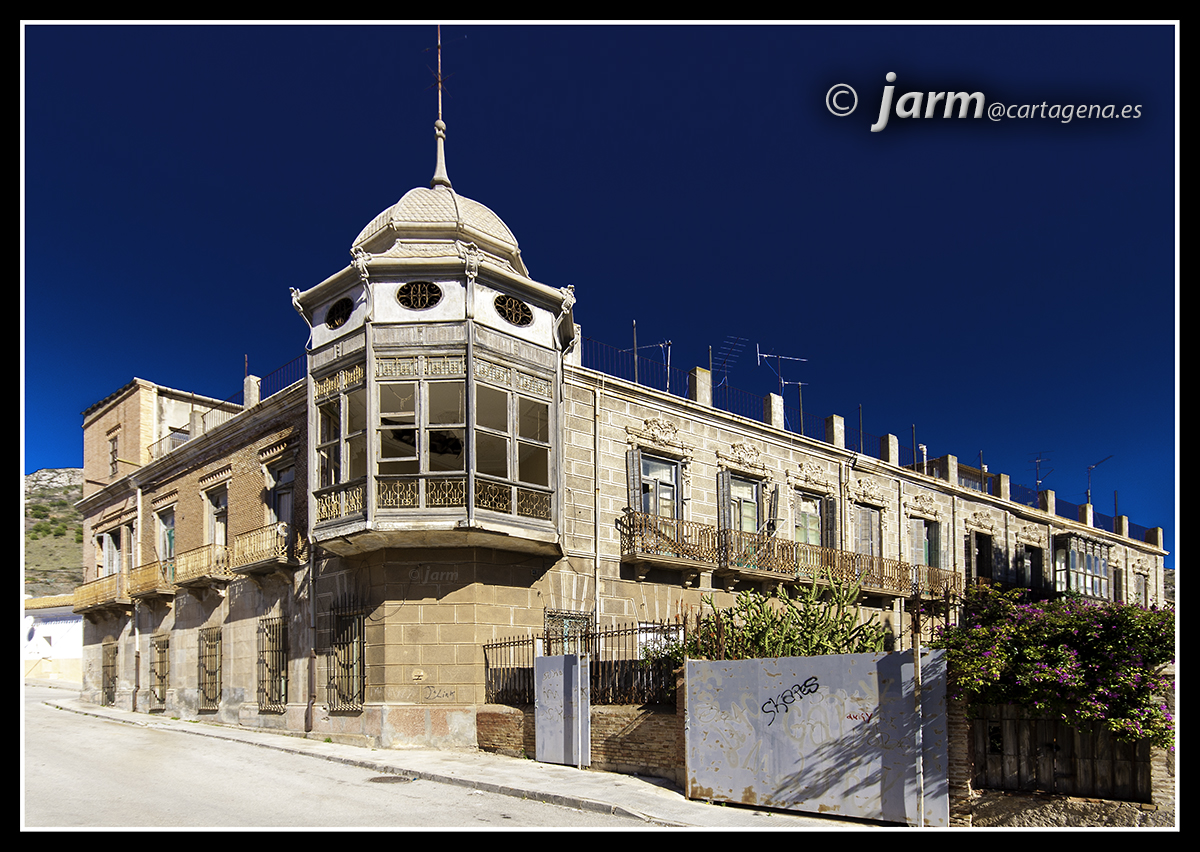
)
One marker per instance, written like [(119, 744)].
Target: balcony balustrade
[(649, 540), (154, 579), (203, 566), (268, 549), (103, 593)]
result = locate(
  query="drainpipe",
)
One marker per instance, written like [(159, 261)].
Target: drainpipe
[(596, 501)]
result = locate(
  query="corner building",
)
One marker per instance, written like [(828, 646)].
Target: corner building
[(444, 473)]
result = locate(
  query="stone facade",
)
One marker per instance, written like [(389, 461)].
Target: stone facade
[(332, 559)]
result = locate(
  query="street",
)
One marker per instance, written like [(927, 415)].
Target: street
[(80, 771)]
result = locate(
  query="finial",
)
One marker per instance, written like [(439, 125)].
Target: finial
[(440, 178)]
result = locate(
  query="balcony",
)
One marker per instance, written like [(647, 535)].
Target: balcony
[(650, 541), (153, 580), (277, 547), (204, 567), (105, 593)]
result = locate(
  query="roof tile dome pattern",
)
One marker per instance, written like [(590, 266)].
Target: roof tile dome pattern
[(437, 212)]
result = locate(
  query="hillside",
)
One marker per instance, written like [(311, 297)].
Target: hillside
[(53, 541)]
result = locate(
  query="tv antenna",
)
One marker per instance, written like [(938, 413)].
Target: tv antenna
[(778, 370), (664, 348), (726, 357), (1092, 467), (1037, 467)]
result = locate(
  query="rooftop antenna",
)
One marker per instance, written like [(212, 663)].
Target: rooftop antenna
[(664, 347), (1037, 466), (727, 356), (1092, 467), (778, 370)]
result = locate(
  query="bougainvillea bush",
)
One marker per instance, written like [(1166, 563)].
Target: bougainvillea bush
[(1091, 663)]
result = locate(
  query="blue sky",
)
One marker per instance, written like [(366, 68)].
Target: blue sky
[(1007, 286)]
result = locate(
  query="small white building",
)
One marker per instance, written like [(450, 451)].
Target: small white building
[(53, 634)]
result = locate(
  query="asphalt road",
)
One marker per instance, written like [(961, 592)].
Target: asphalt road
[(81, 771)]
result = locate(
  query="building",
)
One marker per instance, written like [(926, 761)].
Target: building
[(445, 472)]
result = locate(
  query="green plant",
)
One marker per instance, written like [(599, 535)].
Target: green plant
[(818, 619), (1092, 664)]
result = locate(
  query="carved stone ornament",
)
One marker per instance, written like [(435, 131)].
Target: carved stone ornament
[(1031, 534), (923, 505), (812, 476), (744, 457), (868, 491), (361, 256), (660, 434), (981, 521), (469, 252)]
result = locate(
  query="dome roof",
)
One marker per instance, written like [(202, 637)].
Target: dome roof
[(437, 212)]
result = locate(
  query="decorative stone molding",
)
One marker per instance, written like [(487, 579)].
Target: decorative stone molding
[(922, 506), (659, 434), (171, 496), (744, 458), (813, 477), (217, 476), (980, 521), (361, 258), (272, 452), (1031, 534), (469, 252), (868, 491)]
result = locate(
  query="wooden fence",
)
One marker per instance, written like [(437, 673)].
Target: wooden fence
[(1016, 751)]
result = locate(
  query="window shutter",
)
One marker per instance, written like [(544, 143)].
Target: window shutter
[(724, 509), (633, 478), (772, 515), (828, 522)]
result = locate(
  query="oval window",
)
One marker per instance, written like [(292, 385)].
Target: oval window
[(419, 295), (514, 310), (337, 315)]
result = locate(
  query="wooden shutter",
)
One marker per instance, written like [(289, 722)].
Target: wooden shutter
[(633, 478)]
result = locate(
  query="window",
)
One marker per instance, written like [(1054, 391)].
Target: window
[(283, 482), (346, 689), (743, 502), (112, 456), (1081, 565), (160, 659), (422, 427), (418, 295), (109, 546), (513, 310), (660, 484), (979, 555), (1028, 569), (208, 675), (568, 632), (868, 534), (218, 523), (926, 542), (341, 441), (339, 313), (808, 519), (166, 534), (512, 436), (272, 665)]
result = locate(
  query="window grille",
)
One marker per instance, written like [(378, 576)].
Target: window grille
[(209, 668), (108, 674), (159, 671), (568, 632), (346, 658), (272, 665)]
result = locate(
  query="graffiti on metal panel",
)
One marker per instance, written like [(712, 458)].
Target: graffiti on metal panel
[(789, 696)]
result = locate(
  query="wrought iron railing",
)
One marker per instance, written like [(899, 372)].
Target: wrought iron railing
[(627, 664), (208, 562), (160, 671), (278, 542), (645, 536), (99, 592), (208, 668), (152, 578), (272, 665)]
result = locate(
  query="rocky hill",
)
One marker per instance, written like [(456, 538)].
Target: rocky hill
[(53, 540)]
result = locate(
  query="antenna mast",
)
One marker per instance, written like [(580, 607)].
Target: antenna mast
[(778, 370)]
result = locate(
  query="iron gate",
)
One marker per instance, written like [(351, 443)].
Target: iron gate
[(272, 665), (108, 674), (209, 668)]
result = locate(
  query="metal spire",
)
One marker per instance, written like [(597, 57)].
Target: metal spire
[(440, 178)]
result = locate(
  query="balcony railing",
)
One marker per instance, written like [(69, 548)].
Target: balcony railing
[(207, 564), (687, 545), (274, 546), (101, 593), (153, 578)]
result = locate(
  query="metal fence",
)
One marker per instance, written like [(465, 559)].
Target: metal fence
[(628, 665)]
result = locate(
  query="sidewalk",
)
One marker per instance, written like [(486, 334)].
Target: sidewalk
[(655, 801)]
